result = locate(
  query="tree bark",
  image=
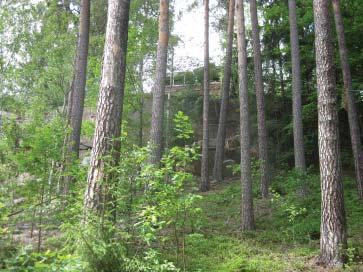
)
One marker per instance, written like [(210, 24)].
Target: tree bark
[(106, 142), (204, 184), (141, 105), (333, 239), (157, 116), (260, 99), (247, 216), (296, 90), (221, 134), (352, 109), (77, 93), (79, 80), (168, 104)]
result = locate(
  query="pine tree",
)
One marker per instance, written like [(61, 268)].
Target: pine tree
[(296, 88), (77, 92), (157, 115), (247, 216), (333, 237), (204, 185), (352, 109), (221, 134), (260, 99), (106, 142)]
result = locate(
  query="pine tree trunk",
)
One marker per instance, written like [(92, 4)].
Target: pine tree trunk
[(141, 105), (247, 216), (157, 117), (79, 80), (106, 142), (77, 93), (296, 90), (281, 74), (260, 99), (204, 185), (333, 239), (352, 109), (221, 134), (169, 115)]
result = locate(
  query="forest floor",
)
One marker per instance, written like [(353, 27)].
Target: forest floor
[(286, 236)]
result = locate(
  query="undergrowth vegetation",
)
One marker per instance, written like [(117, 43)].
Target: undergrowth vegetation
[(180, 230), (162, 222), (288, 228)]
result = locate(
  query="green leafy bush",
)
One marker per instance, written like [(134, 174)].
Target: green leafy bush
[(27, 260)]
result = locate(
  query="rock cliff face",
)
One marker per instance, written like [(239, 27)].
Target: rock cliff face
[(177, 96), (214, 88)]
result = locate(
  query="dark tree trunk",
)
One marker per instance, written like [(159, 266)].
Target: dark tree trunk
[(204, 184), (221, 134), (260, 99), (77, 93), (333, 241), (273, 87), (106, 144), (352, 109), (157, 117), (247, 216), (296, 90)]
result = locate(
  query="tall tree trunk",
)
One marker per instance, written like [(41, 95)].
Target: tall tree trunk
[(247, 216), (296, 90), (260, 99), (109, 109), (333, 239), (281, 73), (157, 117), (77, 93), (168, 121), (79, 80), (352, 109), (221, 134), (141, 105), (168, 103), (274, 77), (204, 184)]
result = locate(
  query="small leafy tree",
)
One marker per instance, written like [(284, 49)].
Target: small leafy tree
[(155, 207)]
